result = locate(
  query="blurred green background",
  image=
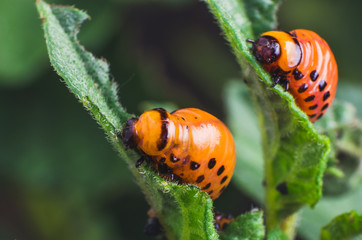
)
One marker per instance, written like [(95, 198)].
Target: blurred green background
[(59, 177)]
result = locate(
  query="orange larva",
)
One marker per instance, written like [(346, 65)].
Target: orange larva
[(303, 63), (222, 221), (188, 145)]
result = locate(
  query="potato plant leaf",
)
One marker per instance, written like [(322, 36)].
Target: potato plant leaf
[(345, 226), (277, 234), (249, 164), (262, 14), (344, 130), (295, 154), (247, 226), (184, 211)]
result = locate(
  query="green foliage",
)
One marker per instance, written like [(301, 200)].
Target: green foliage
[(345, 130), (243, 123), (341, 116), (312, 220), (23, 55), (262, 14), (283, 126), (293, 178), (277, 234), (344, 226), (248, 226), (184, 211)]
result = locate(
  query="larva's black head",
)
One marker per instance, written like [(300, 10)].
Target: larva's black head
[(128, 133), (266, 49)]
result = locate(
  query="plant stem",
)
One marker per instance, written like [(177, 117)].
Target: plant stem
[(289, 224)]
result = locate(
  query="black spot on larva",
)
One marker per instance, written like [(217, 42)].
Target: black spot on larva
[(163, 168), (183, 118), (313, 107), (200, 179), (194, 165), (173, 158), (195, 117), (312, 116), (162, 159), (176, 178), (309, 99), (212, 163), (206, 187), (326, 95), (282, 188), (322, 85), (140, 161), (210, 192), (314, 75), (320, 115), (221, 170), (223, 179), (297, 74), (325, 107), (303, 88)]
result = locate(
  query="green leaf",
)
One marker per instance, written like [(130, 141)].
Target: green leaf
[(344, 174), (341, 114), (277, 234), (312, 220), (247, 226), (345, 131), (184, 211), (262, 14), (249, 165), (344, 226), (296, 173)]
